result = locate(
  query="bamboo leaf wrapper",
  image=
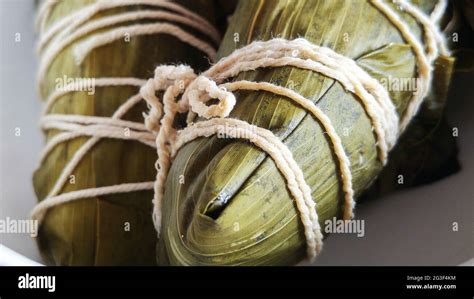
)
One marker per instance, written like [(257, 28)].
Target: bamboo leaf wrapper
[(113, 229), (225, 201)]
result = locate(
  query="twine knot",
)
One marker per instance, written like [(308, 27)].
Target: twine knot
[(196, 92)]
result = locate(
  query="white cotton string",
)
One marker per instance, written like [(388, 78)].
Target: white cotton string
[(103, 131), (94, 25), (44, 13), (172, 80), (438, 10), (81, 85), (343, 160), (69, 29), (300, 53), (42, 207), (268, 142), (100, 39), (84, 149), (69, 23), (433, 40), (85, 84), (88, 120), (82, 152)]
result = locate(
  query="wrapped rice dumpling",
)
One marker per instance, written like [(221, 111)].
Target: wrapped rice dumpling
[(106, 228), (225, 201)]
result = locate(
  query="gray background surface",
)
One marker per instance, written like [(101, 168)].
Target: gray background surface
[(413, 227)]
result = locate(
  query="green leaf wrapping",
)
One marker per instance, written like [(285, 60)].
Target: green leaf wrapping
[(225, 201), (94, 231)]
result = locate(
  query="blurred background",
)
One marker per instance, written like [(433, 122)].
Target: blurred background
[(411, 227)]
